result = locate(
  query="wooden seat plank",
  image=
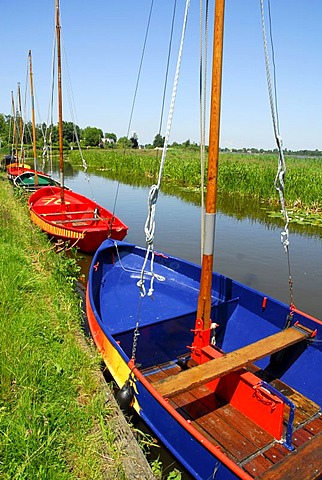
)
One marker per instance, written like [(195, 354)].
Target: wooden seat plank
[(67, 213), (303, 464), (257, 465), (80, 220), (230, 362)]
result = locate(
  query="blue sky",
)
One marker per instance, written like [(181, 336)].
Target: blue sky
[(103, 41)]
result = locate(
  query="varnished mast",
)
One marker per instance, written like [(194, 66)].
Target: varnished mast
[(60, 105), (14, 134), (22, 156), (33, 118), (204, 301)]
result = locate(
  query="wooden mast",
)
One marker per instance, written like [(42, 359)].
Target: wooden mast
[(33, 118), (22, 156), (204, 300), (60, 105), (14, 134)]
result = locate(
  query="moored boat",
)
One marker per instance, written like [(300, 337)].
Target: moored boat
[(27, 180), (227, 377), (78, 220), (64, 214), (246, 402)]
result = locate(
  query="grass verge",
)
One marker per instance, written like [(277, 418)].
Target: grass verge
[(57, 419)]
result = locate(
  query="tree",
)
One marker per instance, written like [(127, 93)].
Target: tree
[(69, 131), (158, 140), (92, 136), (124, 142)]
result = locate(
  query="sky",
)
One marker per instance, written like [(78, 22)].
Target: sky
[(102, 50)]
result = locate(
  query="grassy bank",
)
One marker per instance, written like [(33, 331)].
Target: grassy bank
[(243, 174), (58, 419)]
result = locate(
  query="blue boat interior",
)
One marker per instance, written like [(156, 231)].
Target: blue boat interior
[(166, 319)]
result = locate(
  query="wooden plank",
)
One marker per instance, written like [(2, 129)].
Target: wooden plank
[(230, 362), (238, 446), (303, 464), (66, 213), (245, 426), (276, 453), (80, 220), (257, 465)]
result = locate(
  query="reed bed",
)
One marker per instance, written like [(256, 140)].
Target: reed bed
[(238, 173)]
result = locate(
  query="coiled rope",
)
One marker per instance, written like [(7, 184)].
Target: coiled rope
[(281, 170)]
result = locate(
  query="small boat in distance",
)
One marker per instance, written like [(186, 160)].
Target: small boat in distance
[(228, 378), (64, 214), (26, 180)]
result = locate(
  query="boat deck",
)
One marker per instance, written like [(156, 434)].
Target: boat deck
[(243, 441)]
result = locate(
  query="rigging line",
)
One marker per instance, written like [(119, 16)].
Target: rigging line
[(135, 94), (203, 104), (50, 119), (72, 108), (140, 68), (273, 61), (168, 63), (279, 179), (149, 227)]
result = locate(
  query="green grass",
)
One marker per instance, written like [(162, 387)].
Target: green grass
[(238, 173), (53, 411)]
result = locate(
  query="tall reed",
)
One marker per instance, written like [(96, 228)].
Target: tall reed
[(238, 173)]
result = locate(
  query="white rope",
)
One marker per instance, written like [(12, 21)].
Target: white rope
[(149, 227), (279, 179)]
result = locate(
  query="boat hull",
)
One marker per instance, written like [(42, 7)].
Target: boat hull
[(78, 221), (15, 170), (165, 323), (29, 182)]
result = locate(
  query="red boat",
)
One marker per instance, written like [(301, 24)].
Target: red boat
[(77, 220), (67, 215), (15, 170)]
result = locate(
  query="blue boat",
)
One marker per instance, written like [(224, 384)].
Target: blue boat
[(243, 398), (228, 378)]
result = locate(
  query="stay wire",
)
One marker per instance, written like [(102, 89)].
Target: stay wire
[(280, 176), (167, 68), (135, 93)]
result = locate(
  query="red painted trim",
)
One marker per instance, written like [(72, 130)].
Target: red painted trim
[(296, 310)]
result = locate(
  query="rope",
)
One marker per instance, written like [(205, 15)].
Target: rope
[(149, 227), (154, 190), (168, 63), (281, 170)]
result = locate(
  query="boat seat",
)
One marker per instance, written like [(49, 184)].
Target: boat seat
[(67, 213), (80, 220), (232, 361)]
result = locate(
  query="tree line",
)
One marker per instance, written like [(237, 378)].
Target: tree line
[(95, 137)]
